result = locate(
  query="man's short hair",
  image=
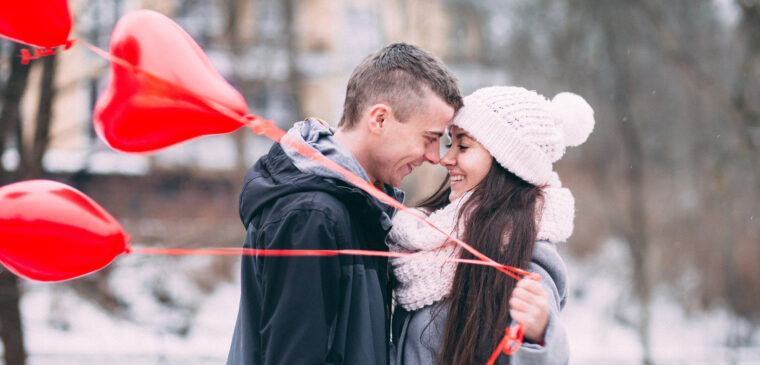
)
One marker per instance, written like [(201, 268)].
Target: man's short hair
[(399, 75)]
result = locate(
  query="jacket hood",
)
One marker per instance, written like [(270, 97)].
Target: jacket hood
[(319, 135), (277, 174)]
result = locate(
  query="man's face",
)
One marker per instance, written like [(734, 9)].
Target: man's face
[(406, 145)]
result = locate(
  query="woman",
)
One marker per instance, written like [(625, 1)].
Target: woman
[(503, 198)]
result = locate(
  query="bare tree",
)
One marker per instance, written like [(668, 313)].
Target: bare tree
[(635, 231), (295, 78), (11, 329), (233, 12), (11, 115), (32, 166)]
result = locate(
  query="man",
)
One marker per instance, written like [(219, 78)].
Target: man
[(318, 310)]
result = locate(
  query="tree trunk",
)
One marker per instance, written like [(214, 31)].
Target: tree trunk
[(30, 166), (750, 30), (295, 78), (636, 237), (11, 329), (635, 231), (10, 115), (232, 33), (33, 163), (10, 320)]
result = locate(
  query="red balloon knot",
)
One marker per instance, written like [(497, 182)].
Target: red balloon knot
[(127, 244), (513, 339), (257, 124), (27, 56)]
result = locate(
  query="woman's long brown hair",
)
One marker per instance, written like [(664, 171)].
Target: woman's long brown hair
[(499, 221)]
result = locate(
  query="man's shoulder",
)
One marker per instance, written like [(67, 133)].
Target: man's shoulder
[(306, 213), (311, 202)]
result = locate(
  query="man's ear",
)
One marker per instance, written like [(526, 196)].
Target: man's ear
[(378, 115)]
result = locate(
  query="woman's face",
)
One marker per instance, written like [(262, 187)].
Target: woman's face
[(467, 161)]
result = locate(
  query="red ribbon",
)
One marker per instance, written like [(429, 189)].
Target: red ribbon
[(510, 343), (237, 251)]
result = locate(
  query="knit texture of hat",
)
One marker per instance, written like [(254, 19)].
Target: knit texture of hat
[(523, 130)]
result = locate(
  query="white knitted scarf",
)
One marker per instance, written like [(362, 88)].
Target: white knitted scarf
[(424, 282)]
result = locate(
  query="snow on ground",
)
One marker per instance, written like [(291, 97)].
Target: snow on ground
[(597, 334), (94, 337), (63, 329)]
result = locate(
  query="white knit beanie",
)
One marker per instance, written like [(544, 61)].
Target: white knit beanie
[(523, 130)]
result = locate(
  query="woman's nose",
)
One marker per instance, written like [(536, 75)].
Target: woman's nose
[(449, 159)]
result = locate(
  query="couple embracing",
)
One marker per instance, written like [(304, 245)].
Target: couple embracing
[(501, 196)]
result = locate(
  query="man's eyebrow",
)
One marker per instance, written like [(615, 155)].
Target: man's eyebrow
[(437, 134)]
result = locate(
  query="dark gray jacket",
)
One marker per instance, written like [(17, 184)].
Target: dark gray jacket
[(311, 310), (417, 334)]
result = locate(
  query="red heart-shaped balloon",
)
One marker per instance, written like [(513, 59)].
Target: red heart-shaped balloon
[(42, 23), (163, 89), (50, 231)]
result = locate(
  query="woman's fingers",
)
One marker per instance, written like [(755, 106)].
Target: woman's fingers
[(519, 304), (530, 292), (531, 286), (525, 309), (530, 323), (528, 306)]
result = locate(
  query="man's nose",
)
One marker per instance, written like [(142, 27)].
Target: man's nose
[(432, 154)]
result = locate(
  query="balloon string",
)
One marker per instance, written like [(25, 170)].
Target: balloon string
[(237, 251), (267, 128), (510, 343)]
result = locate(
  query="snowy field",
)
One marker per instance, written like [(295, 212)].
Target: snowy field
[(63, 329)]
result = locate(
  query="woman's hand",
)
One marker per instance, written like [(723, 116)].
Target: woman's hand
[(528, 304)]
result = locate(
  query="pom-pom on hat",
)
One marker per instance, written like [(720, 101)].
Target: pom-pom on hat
[(523, 130)]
